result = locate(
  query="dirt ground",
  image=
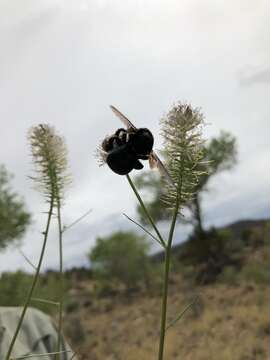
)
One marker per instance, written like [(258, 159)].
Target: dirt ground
[(226, 323)]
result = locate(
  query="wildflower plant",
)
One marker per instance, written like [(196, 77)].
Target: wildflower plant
[(49, 156), (183, 147)]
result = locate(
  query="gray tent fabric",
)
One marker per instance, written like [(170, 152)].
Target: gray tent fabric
[(37, 335)]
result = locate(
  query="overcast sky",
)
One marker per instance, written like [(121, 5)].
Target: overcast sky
[(64, 61)]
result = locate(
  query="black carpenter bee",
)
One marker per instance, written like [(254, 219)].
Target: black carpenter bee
[(123, 150)]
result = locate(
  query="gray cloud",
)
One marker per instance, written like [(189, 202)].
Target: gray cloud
[(259, 76)]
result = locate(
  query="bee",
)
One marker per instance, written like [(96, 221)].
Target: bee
[(123, 150), (120, 155)]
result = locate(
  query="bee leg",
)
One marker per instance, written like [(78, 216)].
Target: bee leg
[(138, 165), (143, 157), (130, 136), (119, 131)]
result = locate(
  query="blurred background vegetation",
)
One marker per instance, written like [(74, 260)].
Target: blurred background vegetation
[(14, 218)]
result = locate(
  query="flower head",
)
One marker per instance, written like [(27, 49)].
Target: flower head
[(50, 158), (183, 146)]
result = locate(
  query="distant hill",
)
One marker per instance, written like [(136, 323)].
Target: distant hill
[(236, 229), (239, 226)]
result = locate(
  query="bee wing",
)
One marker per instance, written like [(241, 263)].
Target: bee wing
[(154, 161), (123, 118)]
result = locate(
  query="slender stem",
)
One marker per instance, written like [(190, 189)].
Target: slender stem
[(165, 284), (27, 260), (144, 229), (46, 232), (167, 247), (67, 227), (60, 317), (167, 266), (45, 301), (146, 211), (40, 355), (179, 316)]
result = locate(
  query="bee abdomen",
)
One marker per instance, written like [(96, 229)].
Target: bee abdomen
[(143, 142), (121, 160)]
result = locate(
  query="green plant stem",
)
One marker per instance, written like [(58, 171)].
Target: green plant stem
[(60, 317), (167, 246), (179, 316), (146, 211), (144, 229), (46, 232), (166, 283)]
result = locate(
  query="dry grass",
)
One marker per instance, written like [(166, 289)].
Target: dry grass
[(230, 323)]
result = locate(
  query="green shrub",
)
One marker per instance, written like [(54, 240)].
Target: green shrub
[(14, 286), (121, 256), (229, 275), (210, 253), (72, 305), (213, 245), (105, 288), (257, 273), (14, 218), (257, 236)]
